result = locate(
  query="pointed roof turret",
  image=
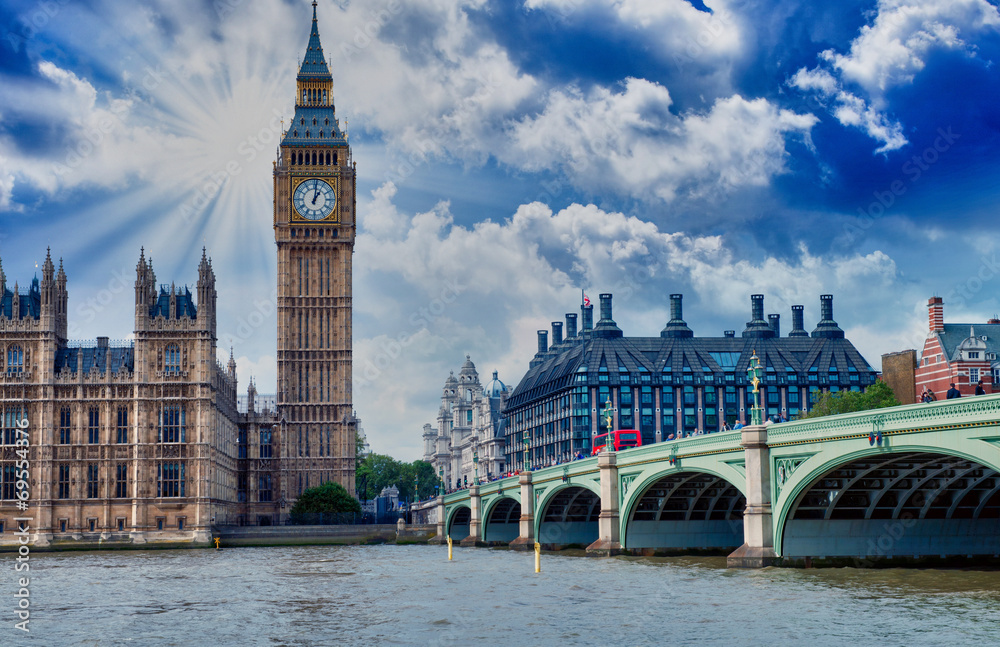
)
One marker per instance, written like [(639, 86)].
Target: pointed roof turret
[(48, 269), (3, 281), (205, 266), (314, 63)]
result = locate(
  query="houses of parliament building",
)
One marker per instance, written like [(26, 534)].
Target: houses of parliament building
[(146, 440)]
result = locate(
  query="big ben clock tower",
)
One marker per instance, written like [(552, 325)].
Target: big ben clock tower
[(314, 229)]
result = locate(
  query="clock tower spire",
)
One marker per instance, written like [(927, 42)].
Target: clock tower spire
[(314, 230)]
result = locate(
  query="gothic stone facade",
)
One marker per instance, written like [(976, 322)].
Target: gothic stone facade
[(131, 441)]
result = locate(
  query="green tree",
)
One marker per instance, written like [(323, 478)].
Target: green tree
[(378, 471), (328, 497), (876, 396)]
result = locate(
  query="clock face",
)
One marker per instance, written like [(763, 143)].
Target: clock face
[(314, 199)]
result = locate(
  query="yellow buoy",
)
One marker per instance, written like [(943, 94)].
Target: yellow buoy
[(538, 557), (449, 548)]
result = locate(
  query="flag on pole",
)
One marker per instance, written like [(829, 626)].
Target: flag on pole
[(586, 301)]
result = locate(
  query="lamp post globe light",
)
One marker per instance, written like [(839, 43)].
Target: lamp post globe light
[(527, 452), (608, 413), (754, 373), (475, 464), (441, 477)]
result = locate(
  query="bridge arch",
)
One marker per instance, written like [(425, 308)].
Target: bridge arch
[(501, 520), (918, 500), (682, 509), (459, 522), (567, 514)]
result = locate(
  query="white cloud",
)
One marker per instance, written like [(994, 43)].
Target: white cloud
[(890, 52), (6, 184), (895, 47), (101, 144), (675, 29), (631, 142)]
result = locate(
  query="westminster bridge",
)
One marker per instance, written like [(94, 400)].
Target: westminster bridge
[(914, 481)]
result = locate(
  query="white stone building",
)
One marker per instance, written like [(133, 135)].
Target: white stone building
[(470, 429)]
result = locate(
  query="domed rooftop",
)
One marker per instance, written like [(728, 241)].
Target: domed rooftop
[(468, 368), (451, 379), (495, 388)]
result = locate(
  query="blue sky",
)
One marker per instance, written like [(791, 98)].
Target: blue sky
[(509, 155)]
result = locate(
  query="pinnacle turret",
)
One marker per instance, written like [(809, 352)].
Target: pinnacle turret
[(48, 269)]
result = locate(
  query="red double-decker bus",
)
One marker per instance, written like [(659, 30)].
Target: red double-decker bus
[(621, 439)]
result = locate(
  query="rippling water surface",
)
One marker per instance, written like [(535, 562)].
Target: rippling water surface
[(411, 595)]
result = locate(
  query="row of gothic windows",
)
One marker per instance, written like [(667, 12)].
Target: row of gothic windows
[(15, 359), (310, 96), (314, 158), (170, 481)]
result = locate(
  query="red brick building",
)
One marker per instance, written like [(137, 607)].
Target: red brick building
[(963, 353)]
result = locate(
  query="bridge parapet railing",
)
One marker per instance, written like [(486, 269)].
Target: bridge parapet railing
[(899, 418), (703, 444)]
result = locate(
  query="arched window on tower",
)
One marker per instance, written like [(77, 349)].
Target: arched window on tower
[(321, 134), (302, 121), (172, 359), (314, 121), (324, 97), (295, 133), (304, 95), (15, 359), (307, 134), (326, 122)]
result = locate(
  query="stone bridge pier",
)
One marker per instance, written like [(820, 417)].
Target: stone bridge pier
[(757, 550)]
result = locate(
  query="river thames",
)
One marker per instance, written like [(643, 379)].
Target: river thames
[(412, 595)]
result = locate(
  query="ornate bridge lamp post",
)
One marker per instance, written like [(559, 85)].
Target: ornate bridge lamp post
[(527, 451), (608, 414), (475, 464), (441, 478), (754, 373)]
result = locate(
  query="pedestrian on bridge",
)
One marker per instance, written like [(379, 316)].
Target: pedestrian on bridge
[(953, 392)]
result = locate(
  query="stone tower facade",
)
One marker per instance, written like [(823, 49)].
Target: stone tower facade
[(314, 229), (128, 442), (470, 437)]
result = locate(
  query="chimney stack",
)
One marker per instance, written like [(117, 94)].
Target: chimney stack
[(570, 325), (543, 341), (757, 327), (676, 327), (588, 317), (606, 327), (729, 333), (827, 327), (774, 321), (935, 307), (798, 327), (557, 337)]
